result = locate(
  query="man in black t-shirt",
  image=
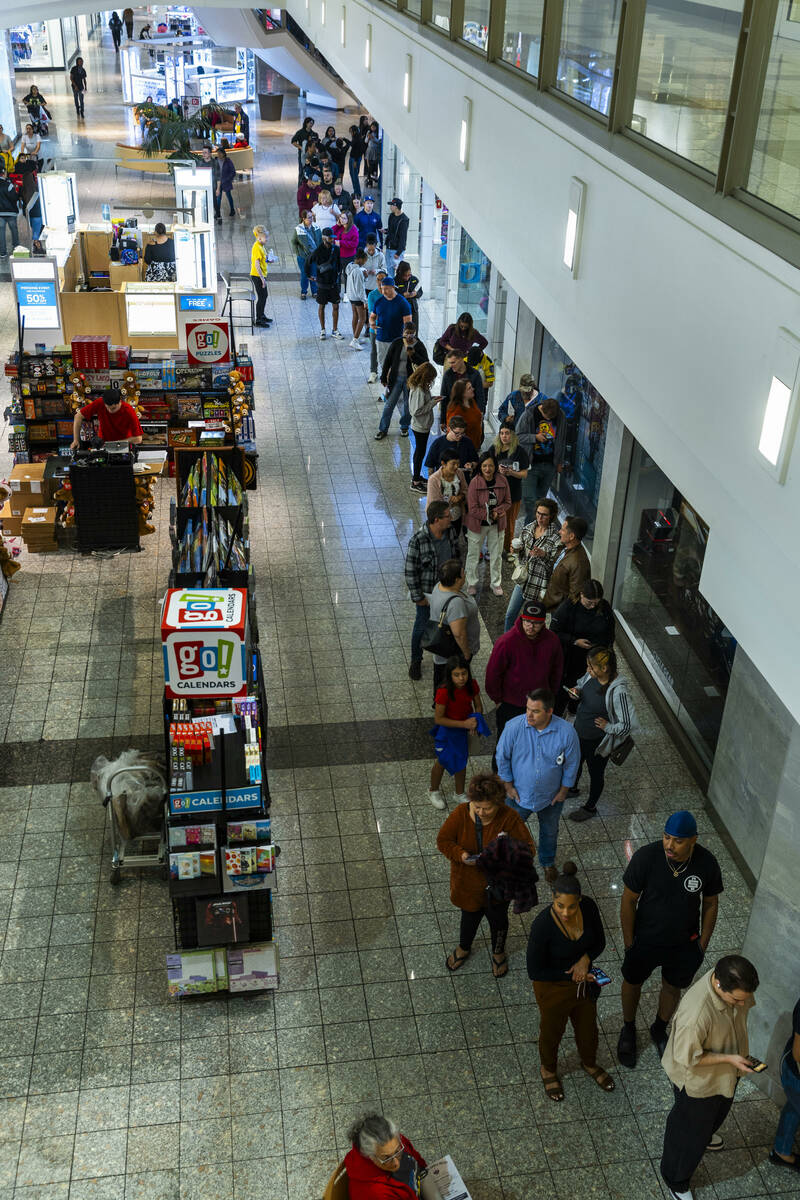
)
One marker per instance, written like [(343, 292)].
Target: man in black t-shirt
[(668, 913)]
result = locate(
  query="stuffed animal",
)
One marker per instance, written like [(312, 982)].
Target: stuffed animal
[(129, 390), (238, 394), (80, 393)]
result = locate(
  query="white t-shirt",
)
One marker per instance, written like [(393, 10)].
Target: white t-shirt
[(324, 217), (29, 144)]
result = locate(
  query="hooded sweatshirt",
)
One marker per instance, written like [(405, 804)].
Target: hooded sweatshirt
[(366, 1181), (518, 665)]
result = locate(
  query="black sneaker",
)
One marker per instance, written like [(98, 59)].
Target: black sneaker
[(415, 670), (380, 435), (626, 1048), (777, 1161), (659, 1039), (418, 485), (582, 814)]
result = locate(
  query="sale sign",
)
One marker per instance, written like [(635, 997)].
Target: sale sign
[(208, 342), (204, 636)]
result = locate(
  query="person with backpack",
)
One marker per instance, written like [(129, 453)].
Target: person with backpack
[(115, 25), (326, 261), (305, 239)]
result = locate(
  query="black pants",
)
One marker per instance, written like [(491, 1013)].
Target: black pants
[(502, 715), (497, 916), (229, 193), (596, 766), (116, 38), (261, 295), (690, 1124), (78, 98), (420, 446)]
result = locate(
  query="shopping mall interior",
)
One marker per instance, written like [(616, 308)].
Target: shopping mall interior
[(610, 189)]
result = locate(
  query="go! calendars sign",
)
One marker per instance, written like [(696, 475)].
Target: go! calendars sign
[(204, 635)]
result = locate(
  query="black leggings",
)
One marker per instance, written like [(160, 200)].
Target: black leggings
[(261, 295), (497, 915), (596, 765), (420, 446)]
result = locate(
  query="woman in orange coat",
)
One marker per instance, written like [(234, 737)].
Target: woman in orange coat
[(483, 817), (462, 402)]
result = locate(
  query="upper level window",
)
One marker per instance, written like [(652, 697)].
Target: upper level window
[(588, 51), (522, 34)]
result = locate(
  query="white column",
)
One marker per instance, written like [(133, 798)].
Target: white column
[(453, 267), (426, 215), (8, 108)]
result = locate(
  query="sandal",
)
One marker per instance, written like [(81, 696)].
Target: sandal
[(553, 1088), (499, 969), (455, 961), (601, 1078)]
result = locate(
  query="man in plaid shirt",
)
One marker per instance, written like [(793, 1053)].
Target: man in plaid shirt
[(429, 547)]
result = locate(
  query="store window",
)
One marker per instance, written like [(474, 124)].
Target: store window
[(69, 35), (588, 51), (414, 8), (578, 485), (473, 281), (476, 22), (684, 81), (683, 642), (522, 34), (440, 14), (37, 45)]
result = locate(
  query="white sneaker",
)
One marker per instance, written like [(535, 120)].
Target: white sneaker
[(460, 799), (322, 336), (373, 378), (436, 799), (337, 335), (679, 1195), (355, 343)]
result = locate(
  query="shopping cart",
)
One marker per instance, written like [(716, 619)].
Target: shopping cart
[(142, 849)]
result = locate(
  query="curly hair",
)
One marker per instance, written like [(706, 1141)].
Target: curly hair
[(486, 788)]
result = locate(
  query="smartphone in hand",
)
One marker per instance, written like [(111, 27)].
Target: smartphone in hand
[(756, 1064), (600, 977)]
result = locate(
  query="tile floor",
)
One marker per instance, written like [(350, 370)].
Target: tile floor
[(110, 1092)]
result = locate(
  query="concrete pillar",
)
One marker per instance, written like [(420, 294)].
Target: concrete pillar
[(453, 266), (611, 503)]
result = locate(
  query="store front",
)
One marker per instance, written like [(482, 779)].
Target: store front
[(44, 45), (657, 600)]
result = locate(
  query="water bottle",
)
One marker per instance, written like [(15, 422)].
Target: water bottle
[(106, 212)]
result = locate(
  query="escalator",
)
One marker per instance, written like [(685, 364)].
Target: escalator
[(283, 47)]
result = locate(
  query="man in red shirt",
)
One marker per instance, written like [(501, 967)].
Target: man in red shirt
[(118, 421)]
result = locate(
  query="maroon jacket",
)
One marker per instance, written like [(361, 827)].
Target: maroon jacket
[(518, 665), (366, 1181)]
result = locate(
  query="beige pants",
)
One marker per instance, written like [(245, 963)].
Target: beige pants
[(494, 539)]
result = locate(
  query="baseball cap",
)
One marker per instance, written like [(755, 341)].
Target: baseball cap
[(389, 279), (526, 383), (370, 198), (531, 611), (396, 201), (681, 824)]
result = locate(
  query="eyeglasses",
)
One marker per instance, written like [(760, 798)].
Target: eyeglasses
[(543, 513), (387, 1158)]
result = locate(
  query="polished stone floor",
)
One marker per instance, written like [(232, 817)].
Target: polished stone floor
[(109, 1091)]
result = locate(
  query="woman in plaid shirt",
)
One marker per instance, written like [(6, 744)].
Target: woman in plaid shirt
[(541, 546)]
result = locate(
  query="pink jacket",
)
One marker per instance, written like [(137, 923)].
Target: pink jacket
[(476, 502), (346, 240), (435, 485)]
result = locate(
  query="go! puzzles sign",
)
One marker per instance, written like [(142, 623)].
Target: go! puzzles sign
[(204, 638)]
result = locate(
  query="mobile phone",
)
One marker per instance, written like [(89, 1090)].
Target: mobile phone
[(756, 1063), (600, 977), (473, 858), (570, 691)]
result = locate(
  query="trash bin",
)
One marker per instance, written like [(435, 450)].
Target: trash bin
[(270, 106)]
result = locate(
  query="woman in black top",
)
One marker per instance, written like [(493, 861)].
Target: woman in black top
[(159, 257), (587, 621), (564, 941), (357, 148), (408, 286)]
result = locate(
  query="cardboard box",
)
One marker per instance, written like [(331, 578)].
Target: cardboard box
[(39, 530), (27, 476), (12, 525)]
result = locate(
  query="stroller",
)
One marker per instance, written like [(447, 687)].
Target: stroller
[(38, 114)]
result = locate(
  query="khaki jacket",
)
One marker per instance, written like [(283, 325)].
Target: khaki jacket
[(704, 1022)]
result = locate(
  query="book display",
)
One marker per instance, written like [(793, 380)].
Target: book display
[(220, 852)]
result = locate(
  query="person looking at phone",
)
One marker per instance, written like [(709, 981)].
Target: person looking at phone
[(564, 941), (668, 913), (706, 1055)]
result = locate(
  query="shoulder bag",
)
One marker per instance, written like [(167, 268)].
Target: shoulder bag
[(437, 637), (621, 752), (438, 353)]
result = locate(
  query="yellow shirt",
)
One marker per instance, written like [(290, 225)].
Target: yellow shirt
[(258, 256), (704, 1022)]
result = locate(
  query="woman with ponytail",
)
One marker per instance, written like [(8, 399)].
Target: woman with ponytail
[(604, 720), (564, 941)]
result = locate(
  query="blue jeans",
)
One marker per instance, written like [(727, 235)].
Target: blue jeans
[(535, 486), (789, 1120), (420, 621), (305, 278), (8, 222), (393, 257), (514, 607), (399, 392), (355, 167), (548, 828)]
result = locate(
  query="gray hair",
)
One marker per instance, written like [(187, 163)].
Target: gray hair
[(371, 1131)]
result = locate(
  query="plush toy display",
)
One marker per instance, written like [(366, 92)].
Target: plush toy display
[(145, 501), (238, 394), (129, 390), (80, 394)]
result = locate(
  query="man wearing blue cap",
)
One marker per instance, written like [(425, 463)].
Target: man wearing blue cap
[(668, 913)]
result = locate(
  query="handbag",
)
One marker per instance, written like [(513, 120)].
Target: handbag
[(621, 752), (438, 353), (493, 891), (437, 637), (520, 572)]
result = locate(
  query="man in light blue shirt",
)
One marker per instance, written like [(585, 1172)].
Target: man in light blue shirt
[(538, 758)]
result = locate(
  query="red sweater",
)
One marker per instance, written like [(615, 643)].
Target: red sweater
[(518, 665), (366, 1181)]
